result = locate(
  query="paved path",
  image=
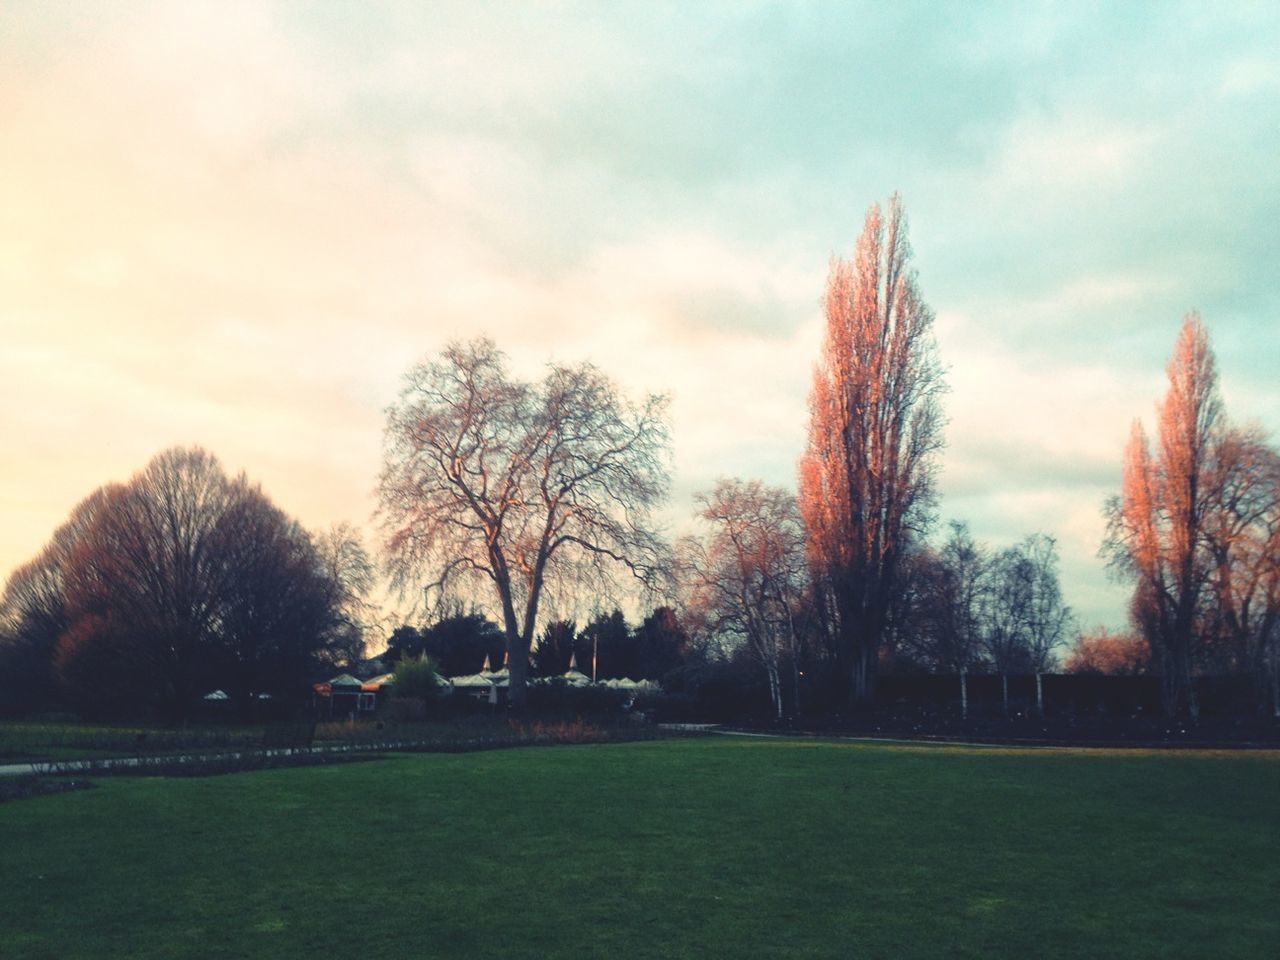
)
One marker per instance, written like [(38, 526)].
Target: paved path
[(865, 739), (113, 763)]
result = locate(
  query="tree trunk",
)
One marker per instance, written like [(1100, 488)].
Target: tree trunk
[(1004, 691), (1275, 682), (518, 674), (775, 691), (795, 686), (862, 677), (1179, 695)]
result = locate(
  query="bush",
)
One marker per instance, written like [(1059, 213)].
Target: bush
[(561, 699), (416, 678)]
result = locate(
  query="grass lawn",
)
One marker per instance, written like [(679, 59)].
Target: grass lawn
[(684, 848), (58, 740)]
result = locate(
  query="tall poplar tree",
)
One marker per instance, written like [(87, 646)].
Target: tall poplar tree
[(1157, 527), (867, 476)]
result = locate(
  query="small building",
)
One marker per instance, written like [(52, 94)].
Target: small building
[(342, 697)]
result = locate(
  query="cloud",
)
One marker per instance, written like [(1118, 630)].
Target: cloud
[(239, 226)]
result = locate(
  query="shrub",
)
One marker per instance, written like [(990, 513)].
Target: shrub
[(559, 698), (416, 678)]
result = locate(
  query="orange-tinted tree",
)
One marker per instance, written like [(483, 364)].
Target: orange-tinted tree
[(1101, 651), (867, 475), (515, 488), (1157, 527)]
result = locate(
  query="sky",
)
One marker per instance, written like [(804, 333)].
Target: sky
[(238, 224)]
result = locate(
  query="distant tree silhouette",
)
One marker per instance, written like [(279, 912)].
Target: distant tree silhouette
[(405, 641), (608, 636), (866, 477), (556, 647), (661, 644), (459, 644)]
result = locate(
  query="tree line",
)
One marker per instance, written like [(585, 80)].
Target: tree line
[(523, 496), (606, 647)]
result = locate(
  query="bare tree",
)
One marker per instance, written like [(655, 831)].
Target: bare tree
[(1047, 619), (866, 478), (349, 568), (186, 579), (1156, 528), (520, 487), (954, 584), (1242, 536), (148, 565), (746, 575), (1024, 618)]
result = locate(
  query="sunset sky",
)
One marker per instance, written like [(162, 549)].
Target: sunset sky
[(237, 224)]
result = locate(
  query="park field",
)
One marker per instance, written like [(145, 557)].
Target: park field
[(715, 847)]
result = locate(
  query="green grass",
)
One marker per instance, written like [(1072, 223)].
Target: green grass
[(681, 848), (35, 740), (46, 741)]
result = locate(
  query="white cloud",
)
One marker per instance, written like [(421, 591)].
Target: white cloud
[(237, 225)]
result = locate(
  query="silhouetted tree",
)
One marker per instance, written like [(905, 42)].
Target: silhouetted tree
[(556, 647), (405, 641), (612, 646), (520, 487), (180, 581), (279, 611), (866, 478), (150, 566), (460, 644), (661, 643)]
